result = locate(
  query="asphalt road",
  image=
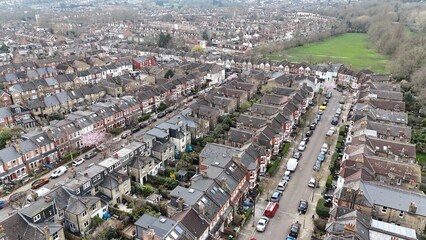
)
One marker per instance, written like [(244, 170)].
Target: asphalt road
[(297, 189)]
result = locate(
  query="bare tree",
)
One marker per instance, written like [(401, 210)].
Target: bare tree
[(18, 200)]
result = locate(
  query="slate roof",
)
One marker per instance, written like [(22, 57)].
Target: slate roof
[(16, 228), (392, 197), (192, 221), (241, 136), (8, 154), (190, 195), (218, 155), (251, 121), (264, 110), (5, 112)]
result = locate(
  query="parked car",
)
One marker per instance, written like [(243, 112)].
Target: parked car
[(320, 112), (317, 165), (39, 183), (2, 204), (297, 155), (77, 162), (143, 125), (312, 126), (309, 133), (312, 182), (161, 115), (286, 176), (101, 147), (294, 230), (276, 196), (321, 156), (90, 154), (342, 101), (59, 172), (125, 134), (339, 111), (318, 116), (261, 225), (335, 120), (282, 186), (116, 139), (324, 148), (330, 131), (168, 110), (306, 140), (303, 206), (302, 146)]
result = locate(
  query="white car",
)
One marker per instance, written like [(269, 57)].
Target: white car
[(331, 131), (116, 139), (282, 186), (261, 225), (302, 146), (286, 176), (324, 148), (312, 183), (59, 172), (77, 162)]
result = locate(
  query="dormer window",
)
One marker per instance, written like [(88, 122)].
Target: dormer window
[(37, 217)]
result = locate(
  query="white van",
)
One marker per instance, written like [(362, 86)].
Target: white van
[(324, 148)]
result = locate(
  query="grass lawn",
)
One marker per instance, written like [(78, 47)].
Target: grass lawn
[(349, 48)]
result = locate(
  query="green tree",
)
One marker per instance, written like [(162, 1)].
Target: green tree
[(55, 116), (7, 133), (197, 49), (244, 106), (169, 74), (162, 107), (164, 40), (205, 35)]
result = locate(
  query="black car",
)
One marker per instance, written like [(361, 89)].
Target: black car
[(136, 129), (335, 121), (294, 230), (143, 125), (312, 126), (303, 206), (168, 111), (309, 133)]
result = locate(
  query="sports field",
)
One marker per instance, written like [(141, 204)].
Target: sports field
[(349, 48)]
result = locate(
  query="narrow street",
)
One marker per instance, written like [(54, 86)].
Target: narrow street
[(297, 189)]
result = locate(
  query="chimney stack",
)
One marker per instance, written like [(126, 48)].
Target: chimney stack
[(119, 179), (223, 183), (180, 203), (86, 174), (412, 208)]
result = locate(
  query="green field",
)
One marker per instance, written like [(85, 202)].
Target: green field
[(349, 48)]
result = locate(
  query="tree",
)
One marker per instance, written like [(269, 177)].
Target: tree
[(162, 107), (197, 49), (92, 139), (9, 134), (205, 35), (244, 106), (266, 89), (18, 200), (164, 40), (55, 116), (169, 74)]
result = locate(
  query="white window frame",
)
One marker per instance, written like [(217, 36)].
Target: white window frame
[(77, 191), (401, 214), (36, 217), (86, 185)]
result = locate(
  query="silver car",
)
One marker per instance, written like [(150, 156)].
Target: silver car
[(261, 225)]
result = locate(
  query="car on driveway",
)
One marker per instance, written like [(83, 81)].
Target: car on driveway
[(39, 183), (77, 162), (309, 133), (59, 172), (261, 225), (321, 156), (303, 206), (90, 154), (276, 196), (297, 155), (312, 182), (317, 165), (302, 146)]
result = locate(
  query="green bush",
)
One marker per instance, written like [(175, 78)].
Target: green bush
[(147, 190), (115, 131), (334, 165), (329, 181), (144, 117), (285, 148), (166, 181), (342, 131), (70, 156), (322, 210), (273, 167)]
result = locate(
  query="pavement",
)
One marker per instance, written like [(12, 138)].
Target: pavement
[(297, 189)]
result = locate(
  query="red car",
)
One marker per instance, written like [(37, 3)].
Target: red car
[(39, 183)]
